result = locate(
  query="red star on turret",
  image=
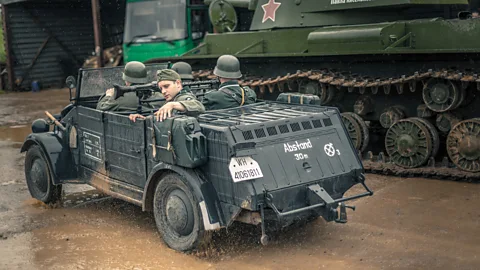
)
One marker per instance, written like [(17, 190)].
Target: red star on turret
[(270, 8)]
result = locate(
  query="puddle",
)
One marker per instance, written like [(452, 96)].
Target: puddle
[(25, 107), (16, 134), (103, 234)]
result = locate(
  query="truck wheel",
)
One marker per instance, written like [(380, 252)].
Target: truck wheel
[(177, 214), (39, 177)]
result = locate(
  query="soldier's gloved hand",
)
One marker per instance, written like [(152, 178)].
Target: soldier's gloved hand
[(110, 92), (165, 111), (134, 117)]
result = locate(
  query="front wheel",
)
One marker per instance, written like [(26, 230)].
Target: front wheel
[(39, 177), (177, 214)]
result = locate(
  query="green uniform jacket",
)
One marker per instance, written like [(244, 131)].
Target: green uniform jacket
[(193, 107), (229, 95), (128, 102)]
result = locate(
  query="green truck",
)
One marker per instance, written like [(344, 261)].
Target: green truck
[(162, 28), (404, 73)]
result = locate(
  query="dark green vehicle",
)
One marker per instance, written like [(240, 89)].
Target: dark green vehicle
[(403, 73), (265, 162)]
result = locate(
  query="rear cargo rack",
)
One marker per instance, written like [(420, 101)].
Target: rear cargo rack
[(266, 119), (260, 112)]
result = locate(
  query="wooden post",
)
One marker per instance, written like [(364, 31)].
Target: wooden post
[(7, 36), (97, 30)]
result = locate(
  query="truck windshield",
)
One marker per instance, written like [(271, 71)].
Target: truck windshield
[(163, 20)]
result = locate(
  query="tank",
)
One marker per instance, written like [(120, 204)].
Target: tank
[(403, 73)]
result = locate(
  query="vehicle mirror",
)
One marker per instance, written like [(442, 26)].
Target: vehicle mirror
[(71, 82)]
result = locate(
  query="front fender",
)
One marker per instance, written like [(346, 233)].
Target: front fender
[(203, 190), (56, 152)]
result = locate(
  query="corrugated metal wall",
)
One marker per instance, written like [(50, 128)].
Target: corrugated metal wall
[(70, 27), (69, 22)]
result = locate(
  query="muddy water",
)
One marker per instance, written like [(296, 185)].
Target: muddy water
[(407, 224), (15, 134), (23, 108)]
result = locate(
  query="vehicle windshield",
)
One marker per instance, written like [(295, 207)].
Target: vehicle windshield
[(94, 82), (147, 21)]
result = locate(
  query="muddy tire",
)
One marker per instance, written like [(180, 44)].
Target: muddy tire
[(39, 177), (177, 214)]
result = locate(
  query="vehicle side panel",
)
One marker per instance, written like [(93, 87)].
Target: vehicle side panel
[(91, 141), (125, 149), (112, 187), (216, 168)]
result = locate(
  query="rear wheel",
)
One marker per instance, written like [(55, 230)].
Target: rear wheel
[(39, 177), (177, 214)]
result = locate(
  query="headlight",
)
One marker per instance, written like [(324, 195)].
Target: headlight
[(40, 125)]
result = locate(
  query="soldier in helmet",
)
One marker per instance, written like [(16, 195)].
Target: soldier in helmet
[(177, 98), (184, 70), (134, 73), (230, 94)]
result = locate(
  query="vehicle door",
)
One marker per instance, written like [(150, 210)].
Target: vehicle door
[(91, 142), (125, 149)]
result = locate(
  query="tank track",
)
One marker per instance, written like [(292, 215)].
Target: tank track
[(328, 83)]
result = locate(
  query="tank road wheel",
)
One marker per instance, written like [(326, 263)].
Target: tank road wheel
[(390, 116), (433, 133), (326, 93), (39, 177), (441, 95), (365, 134), (408, 143), (177, 214), (463, 145), (353, 129), (445, 121)]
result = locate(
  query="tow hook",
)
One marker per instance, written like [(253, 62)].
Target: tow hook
[(343, 213), (264, 239)]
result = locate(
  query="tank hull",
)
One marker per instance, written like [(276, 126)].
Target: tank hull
[(423, 72)]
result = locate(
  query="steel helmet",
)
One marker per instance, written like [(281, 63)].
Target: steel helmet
[(228, 67), (135, 72), (184, 69)]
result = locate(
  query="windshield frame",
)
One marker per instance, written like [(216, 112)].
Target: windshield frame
[(105, 78)]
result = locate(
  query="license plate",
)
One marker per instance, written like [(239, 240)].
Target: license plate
[(244, 168)]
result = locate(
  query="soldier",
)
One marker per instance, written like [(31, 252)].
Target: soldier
[(184, 70), (177, 98), (230, 94), (134, 73)]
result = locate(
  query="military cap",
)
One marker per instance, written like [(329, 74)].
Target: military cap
[(167, 75)]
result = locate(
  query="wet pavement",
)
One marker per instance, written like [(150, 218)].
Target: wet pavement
[(408, 223)]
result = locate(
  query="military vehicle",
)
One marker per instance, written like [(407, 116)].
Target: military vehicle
[(163, 28), (403, 73), (266, 162)]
